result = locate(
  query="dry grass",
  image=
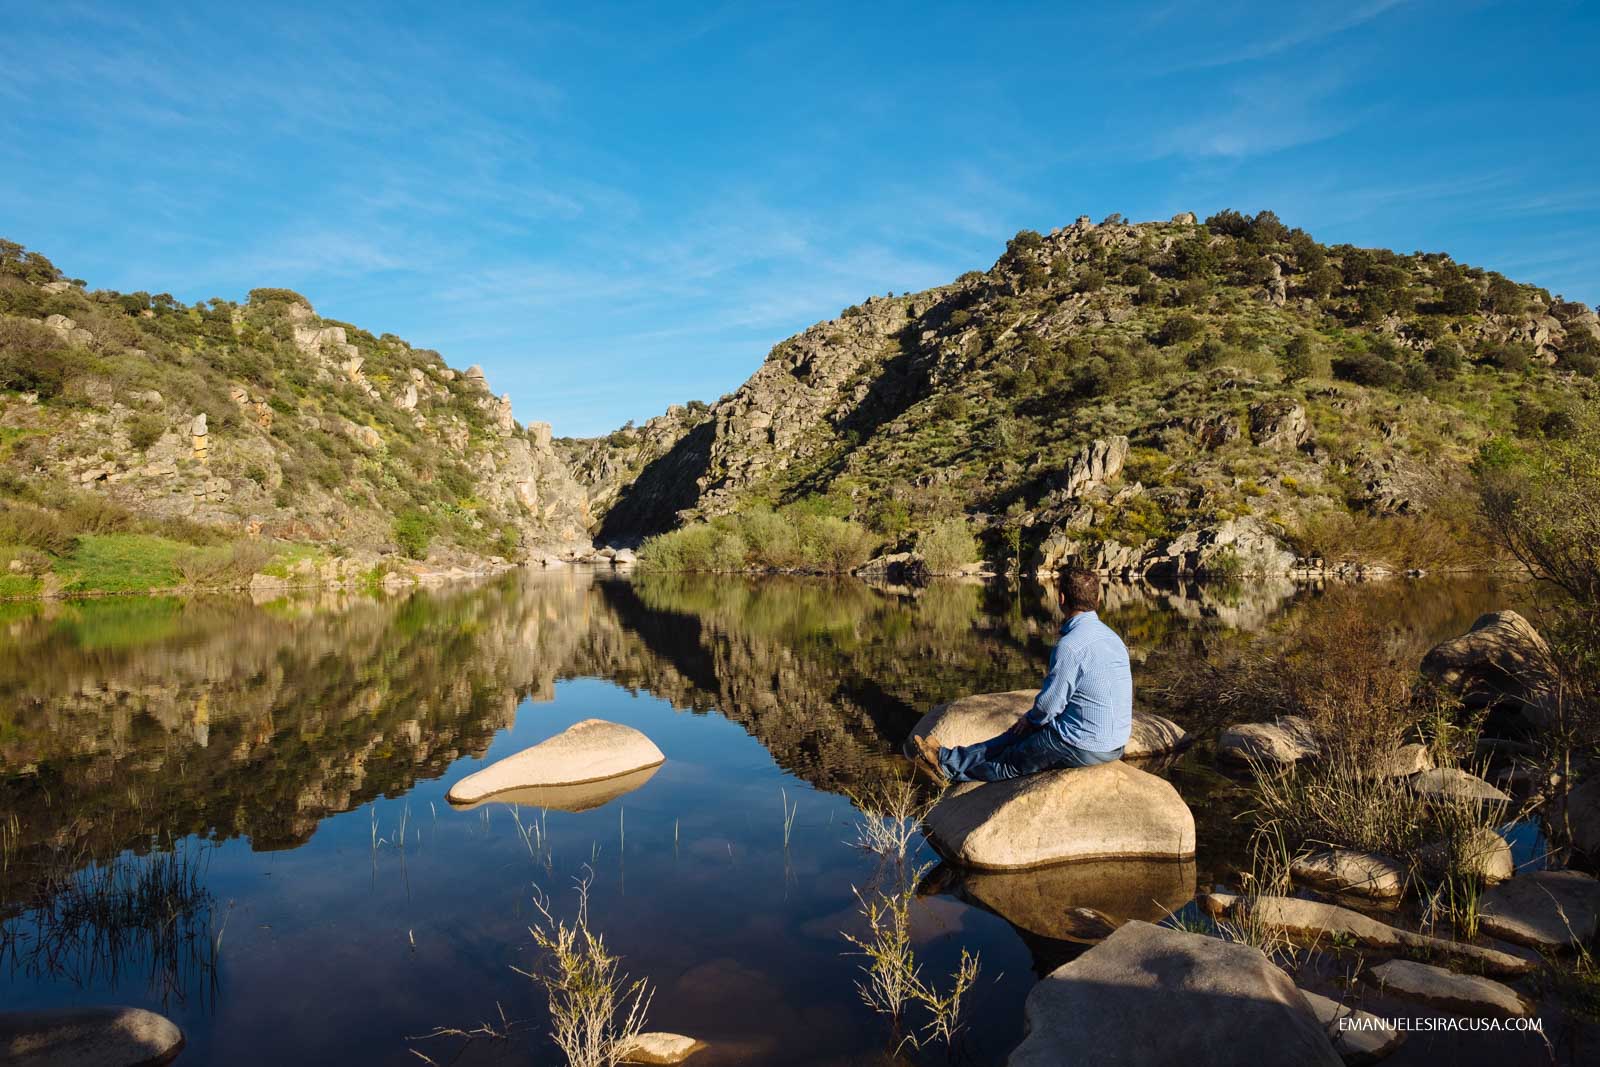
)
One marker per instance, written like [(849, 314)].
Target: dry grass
[(595, 1011), (891, 818), (893, 984)]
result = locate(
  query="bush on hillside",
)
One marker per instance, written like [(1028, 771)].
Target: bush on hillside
[(33, 358), (947, 547)]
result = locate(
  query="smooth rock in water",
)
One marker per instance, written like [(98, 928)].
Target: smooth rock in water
[(984, 715), (88, 1037), (1311, 921), (1111, 811), (1485, 853), (1468, 994), (1079, 901), (1150, 995), (588, 751), (1368, 1042), (1286, 740), (577, 797), (1543, 910), (1344, 870), (1403, 762), (660, 1047), (1452, 783)]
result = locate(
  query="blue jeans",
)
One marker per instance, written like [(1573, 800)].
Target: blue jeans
[(1014, 755)]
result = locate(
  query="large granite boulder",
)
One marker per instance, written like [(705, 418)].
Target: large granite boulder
[(586, 752), (1111, 811), (106, 1036), (1501, 657), (1546, 910), (1148, 994), (984, 715)]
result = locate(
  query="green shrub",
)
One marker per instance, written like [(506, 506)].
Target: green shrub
[(33, 358), (1301, 360), (1179, 328), (413, 531), (1367, 368), (145, 430), (947, 547)]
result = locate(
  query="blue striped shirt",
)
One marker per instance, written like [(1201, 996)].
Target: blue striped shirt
[(1087, 698)]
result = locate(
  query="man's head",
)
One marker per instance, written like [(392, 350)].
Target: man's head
[(1080, 590)]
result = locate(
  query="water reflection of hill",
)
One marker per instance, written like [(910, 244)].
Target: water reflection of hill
[(126, 718)]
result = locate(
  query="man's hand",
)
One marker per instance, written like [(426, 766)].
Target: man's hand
[(1019, 728)]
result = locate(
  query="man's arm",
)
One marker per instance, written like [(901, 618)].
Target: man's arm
[(1059, 685)]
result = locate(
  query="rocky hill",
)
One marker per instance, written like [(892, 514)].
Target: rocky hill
[(132, 411), (1157, 396)]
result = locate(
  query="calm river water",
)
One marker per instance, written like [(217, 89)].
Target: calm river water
[(332, 908)]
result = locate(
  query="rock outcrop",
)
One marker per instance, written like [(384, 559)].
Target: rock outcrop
[(1110, 811), (1149, 995)]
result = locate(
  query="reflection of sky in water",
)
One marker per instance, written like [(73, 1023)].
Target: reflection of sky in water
[(335, 947), (739, 937)]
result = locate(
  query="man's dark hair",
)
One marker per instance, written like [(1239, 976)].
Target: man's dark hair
[(1080, 590)]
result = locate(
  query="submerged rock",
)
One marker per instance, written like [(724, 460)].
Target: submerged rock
[(1369, 1041), (660, 1047), (589, 751), (984, 715), (1343, 870), (1452, 783), (1110, 811), (1286, 740), (1313, 921), (1543, 910), (1468, 994), (107, 1036), (1148, 994)]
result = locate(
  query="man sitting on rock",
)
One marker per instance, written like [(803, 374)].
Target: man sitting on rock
[(1082, 715)]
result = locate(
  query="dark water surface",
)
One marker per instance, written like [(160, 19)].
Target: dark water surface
[(294, 758)]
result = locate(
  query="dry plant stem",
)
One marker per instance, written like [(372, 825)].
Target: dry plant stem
[(595, 1011), (893, 980)]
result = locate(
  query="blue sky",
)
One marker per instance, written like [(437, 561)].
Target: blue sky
[(613, 208)]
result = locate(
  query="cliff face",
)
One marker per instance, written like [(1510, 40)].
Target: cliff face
[(263, 418), (1141, 396)]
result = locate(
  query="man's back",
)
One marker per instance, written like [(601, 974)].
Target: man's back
[(1087, 697)]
